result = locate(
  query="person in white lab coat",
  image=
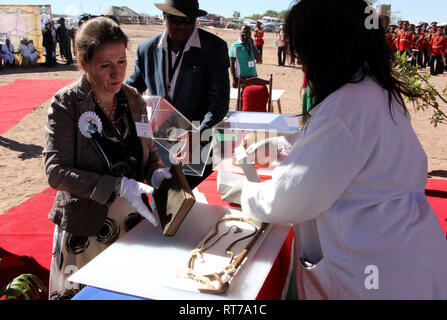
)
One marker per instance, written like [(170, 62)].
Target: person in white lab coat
[(353, 183)]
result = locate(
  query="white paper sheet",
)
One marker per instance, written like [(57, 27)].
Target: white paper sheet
[(140, 262)]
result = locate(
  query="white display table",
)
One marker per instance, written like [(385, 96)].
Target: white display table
[(143, 262)]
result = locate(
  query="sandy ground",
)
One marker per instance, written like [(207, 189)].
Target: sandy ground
[(22, 172)]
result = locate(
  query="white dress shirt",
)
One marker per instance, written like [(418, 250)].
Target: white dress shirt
[(353, 187), (193, 41)]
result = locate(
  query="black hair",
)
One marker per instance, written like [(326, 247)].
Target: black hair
[(334, 41)]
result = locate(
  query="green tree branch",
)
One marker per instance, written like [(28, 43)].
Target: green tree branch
[(427, 95)]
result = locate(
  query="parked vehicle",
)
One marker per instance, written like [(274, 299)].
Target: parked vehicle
[(270, 27), (268, 20), (211, 20), (234, 24)]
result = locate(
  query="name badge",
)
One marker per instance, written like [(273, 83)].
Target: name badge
[(144, 129), (251, 64)]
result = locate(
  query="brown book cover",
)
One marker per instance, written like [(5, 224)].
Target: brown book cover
[(173, 199)]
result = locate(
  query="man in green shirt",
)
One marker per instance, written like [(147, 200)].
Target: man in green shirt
[(243, 55)]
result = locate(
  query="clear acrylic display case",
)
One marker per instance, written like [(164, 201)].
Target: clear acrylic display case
[(167, 125), (251, 130)]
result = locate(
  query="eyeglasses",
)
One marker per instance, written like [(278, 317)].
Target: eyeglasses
[(180, 20)]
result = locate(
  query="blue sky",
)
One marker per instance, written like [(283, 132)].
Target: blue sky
[(414, 10)]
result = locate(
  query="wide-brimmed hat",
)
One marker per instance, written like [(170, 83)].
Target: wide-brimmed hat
[(384, 10), (182, 8)]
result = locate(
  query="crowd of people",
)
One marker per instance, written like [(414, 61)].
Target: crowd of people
[(425, 45), (51, 38), (26, 54), (352, 182)]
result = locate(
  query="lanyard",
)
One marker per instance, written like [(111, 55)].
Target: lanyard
[(248, 48), (177, 62)]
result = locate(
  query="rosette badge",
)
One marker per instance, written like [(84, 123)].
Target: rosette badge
[(89, 123)]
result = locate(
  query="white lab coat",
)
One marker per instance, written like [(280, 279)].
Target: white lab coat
[(353, 186)]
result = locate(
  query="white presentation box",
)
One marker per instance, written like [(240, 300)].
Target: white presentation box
[(167, 125)]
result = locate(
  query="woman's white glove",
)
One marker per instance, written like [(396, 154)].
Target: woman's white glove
[(132, 191), (233, 195), (159, 175), (268, 150)]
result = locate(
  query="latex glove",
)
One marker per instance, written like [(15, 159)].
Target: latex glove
[(268, 150), (233, 195), (159, 175), (132, 191)]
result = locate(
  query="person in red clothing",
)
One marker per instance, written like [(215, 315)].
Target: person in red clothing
[(445, 47), (412, 44), (427, 38), (259, 38), (403, 41), (437, 49), (399, 25), (434, 27), (419, 47), (391, 38)]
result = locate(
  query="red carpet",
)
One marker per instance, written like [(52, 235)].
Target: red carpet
[(26, 233), (21, 97), (26, 230), (436, 192), (26, 236)]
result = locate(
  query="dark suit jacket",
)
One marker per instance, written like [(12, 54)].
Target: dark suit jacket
[(202, 90), (47, 41)]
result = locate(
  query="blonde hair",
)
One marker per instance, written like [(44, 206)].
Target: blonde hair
[(96, 32)]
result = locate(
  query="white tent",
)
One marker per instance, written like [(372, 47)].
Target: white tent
[(123, 14)]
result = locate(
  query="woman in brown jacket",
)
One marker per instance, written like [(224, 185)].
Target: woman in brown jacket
[(94, 156)]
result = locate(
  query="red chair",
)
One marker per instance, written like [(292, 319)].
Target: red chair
[(254, 95)]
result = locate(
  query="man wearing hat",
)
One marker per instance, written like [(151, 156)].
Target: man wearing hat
[(24, 52), (64, 40), (48, 44), (437, 49), (427, 37), (434, 27), (187, 66), (400, 25), (403, 40), (384, 13)]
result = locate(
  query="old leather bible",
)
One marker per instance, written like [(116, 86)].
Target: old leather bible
[(173, 199)]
